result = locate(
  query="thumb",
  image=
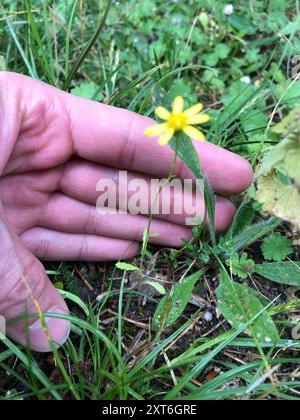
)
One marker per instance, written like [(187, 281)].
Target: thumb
[(26, 289)]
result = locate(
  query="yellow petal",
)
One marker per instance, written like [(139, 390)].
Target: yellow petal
[(194, 133), (162, 113), (198, 119), (194, 110), (178, 105), (155, 130), (166, 137)]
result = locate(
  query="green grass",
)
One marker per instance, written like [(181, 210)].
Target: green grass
[(121, 53)]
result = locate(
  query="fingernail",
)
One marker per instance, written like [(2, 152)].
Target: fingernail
[(59, 330)]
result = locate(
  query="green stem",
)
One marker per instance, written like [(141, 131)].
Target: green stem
[(169, 179)]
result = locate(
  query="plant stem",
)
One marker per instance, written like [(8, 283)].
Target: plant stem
[(169, 179)]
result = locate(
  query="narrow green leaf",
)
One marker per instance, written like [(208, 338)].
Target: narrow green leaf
[(39, 47), (126, 267), (252, 234), (2, 63), (210, 206), (16, 40), (281, 272), (5, 355), (88, 48), (75, 299)]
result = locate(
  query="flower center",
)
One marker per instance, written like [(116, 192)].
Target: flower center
[(177, 121)]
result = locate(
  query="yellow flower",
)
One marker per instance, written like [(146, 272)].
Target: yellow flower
[(178, 120)]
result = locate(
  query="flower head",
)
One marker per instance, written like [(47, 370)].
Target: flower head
[(178, 120), (228, 9)]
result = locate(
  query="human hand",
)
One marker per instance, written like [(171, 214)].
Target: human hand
[(54, 147)]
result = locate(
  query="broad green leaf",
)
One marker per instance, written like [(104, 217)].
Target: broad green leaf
[(157, 286), (242, 24), (241, 266), (277, 247), (279, 198), (174, 302), (239, 305), (222, 50), (126, 267), (281, 272), (279, 175), (183, 88), (88, 90)]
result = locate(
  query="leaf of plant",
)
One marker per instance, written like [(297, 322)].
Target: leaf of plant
[(187, 153), (281, 272), (285, 157), (279, 174), (3, 66), (239, 305), (279, 198), (210, 206), (174, 302), (277, 247), (272, 158), (288, 123), (251, 234), (158, 287), (243, 218), (126, 267), (241, 265), (75, 299), (88, 90)]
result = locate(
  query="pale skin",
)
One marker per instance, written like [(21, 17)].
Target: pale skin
[(54, 148)]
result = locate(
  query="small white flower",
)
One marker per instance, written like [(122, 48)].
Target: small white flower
[(246, 80), (228, 9)]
